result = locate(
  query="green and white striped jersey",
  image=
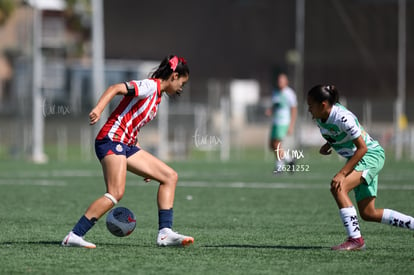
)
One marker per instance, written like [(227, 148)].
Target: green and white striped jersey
[(282, 102), (341, 128)]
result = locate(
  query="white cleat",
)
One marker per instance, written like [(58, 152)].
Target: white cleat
[(167, 237), (74, 240)]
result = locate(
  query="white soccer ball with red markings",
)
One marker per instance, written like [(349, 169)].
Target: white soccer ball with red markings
[(121, 221)]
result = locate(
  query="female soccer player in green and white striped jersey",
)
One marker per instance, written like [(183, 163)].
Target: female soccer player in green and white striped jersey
[(365, 158)]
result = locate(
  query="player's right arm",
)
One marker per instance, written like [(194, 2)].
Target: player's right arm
[(107, 96)]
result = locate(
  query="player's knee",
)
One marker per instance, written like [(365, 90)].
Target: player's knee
[(338, 191), (119, 194), (111, 198), (170, 178), (173, 177), (276, 144), (115, 195)]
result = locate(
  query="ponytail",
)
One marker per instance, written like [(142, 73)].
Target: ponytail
[(321, 93), (169, 65)]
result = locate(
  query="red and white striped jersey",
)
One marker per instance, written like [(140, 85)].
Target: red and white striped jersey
[(135, 110)]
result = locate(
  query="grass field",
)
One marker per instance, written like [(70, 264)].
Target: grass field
[(244, 221)]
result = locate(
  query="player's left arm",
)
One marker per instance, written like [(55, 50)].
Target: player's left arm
[(353, 161), (350, 126), (350, 164), (337, 180)]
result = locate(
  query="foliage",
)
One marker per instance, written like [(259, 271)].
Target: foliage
[(6, 9)]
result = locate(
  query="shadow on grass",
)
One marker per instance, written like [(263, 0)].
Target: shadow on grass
[(59, 243), (287, 247), (241, 246), (30, 242)]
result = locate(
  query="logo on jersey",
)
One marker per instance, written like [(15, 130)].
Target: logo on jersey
[(330, 131)]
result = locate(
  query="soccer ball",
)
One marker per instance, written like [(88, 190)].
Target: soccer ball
[(121, 221)]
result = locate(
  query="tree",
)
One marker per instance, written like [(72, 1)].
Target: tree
[(6, 9)]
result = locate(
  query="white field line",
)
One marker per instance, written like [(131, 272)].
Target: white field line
[(54, 174), (299, 176), (200, 184), (46, 178), (302, 176), (260, 185), (35, 182)]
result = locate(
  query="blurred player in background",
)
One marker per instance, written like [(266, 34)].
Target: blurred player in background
[(283, 113), (365, 159), (118, 151)]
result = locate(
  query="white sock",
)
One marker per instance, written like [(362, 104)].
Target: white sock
[(397, 219), (350, 219)]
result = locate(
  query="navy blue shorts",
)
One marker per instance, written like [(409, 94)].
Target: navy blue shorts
[(105, 146)]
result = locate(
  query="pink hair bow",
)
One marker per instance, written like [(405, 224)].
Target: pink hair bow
[(173, 63)]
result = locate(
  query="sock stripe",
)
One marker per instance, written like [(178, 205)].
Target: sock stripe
[(111, 198)]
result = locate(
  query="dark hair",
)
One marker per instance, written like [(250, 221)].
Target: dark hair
[(170, 64), (320, 93)]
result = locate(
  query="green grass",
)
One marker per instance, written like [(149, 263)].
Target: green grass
[(244, 221)]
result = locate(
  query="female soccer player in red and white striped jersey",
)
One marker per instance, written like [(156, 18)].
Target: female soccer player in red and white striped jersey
[(116, 148)]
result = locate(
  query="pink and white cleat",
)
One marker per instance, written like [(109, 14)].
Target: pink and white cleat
[(167, 237), (351, 244), (74, 240)]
